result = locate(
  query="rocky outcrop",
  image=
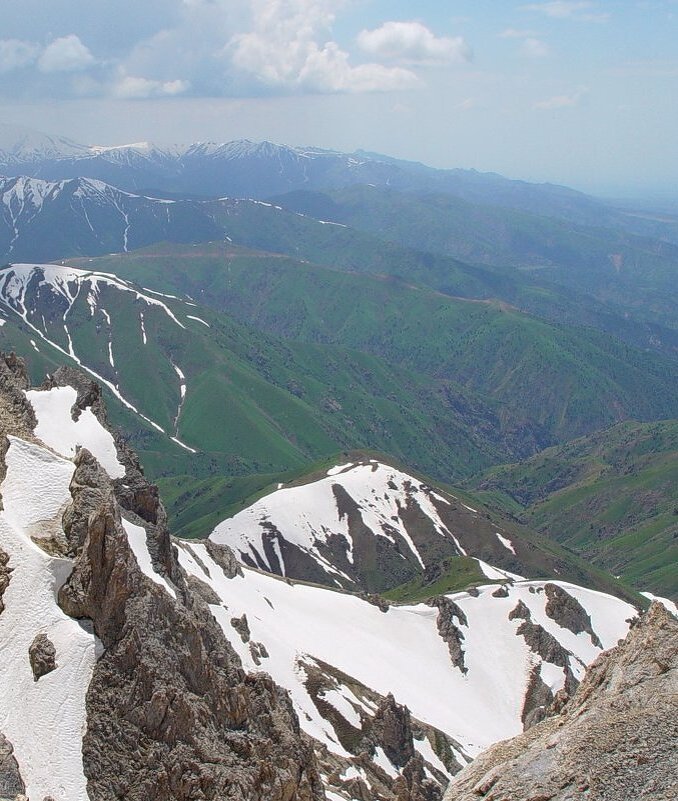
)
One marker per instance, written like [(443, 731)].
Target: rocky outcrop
[(385, 726), (42, 656), (538, 698), (614, 740), (224, 557), (392, 730), (448, 630), (11, 783), (567, 612), (16, 413), (544, 644), (242, 627), (5, 574), (171, 715)]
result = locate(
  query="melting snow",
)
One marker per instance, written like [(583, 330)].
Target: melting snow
[(307, 515), (46, 727), (505, 542), (333, 471), (666, 602), (497, 574), (386, 651), (57, 429), (136, 536), (199, 319)]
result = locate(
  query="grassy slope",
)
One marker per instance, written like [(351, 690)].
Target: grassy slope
[(255, 404), (641, 277), (613, 497), (548, 383)]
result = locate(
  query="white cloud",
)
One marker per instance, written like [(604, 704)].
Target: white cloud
[(283, 51), (568, 9), (15, 54), (65, 54), (534, 48), (560, 101), (131, 87), (413, 42)]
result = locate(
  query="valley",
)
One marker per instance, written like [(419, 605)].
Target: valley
[(323, 473)]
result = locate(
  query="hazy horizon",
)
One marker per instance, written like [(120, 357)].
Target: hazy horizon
[(578, 93)]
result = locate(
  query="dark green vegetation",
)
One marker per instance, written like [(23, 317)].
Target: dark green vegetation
[(425, 323), (612, 496), (456, 574), (531, 259)]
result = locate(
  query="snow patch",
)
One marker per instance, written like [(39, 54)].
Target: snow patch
[(46, 728), (505, 542), (57, 429), (665, 602), (136, 536)]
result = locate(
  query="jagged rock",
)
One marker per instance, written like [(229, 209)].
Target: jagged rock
[(258, 652), (521, 611), (203, 590), (5, 574), (11, 783), (413, 784), (448, 630), (614, 740), (568, 612), (242, 627), (538, 699), (543, 643), (501, 592), (224, 557), (392, 730), (42, 656), (171, 715), (17, 416), (90, 489)]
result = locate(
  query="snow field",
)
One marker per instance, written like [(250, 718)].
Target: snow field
[(57, 429), (401, 651), (46, 728), (308, 514)]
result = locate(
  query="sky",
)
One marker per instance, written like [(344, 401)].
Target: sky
[(578, 92)]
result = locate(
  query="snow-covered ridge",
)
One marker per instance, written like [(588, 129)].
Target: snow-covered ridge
[(340, 522), (311, 516), (390, 651), (23, 291)]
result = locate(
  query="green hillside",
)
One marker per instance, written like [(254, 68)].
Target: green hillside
[(612, 497), (545, 383), (629, 273)]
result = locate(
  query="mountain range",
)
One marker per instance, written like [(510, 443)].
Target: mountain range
[(169, 633), (331, 477)]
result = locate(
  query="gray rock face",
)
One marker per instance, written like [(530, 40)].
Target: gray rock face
[(16, 413), (171, 715), (568, 612), (42, 656), (538, 698), (448, 630), (615, 740), (11, 783), (392, 730), (5, 574)]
